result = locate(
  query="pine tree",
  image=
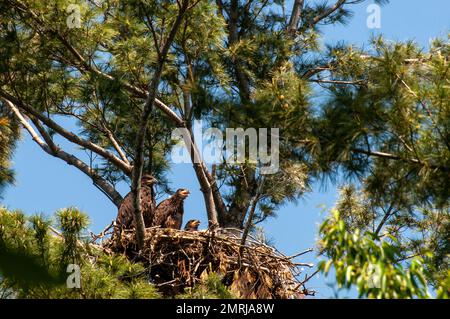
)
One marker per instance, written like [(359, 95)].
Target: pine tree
[(34, 259), (392, 132), (9, 134), (129, 72)]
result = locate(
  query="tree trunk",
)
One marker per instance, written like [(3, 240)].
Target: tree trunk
[(202, 177), (241, 201), (148, 107)]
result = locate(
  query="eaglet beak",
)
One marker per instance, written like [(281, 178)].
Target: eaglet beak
[(149, 180), (185, 193)]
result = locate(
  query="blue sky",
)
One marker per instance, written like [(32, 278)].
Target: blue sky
[(45, 184)]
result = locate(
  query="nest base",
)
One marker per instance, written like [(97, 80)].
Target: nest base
[(178, 259)]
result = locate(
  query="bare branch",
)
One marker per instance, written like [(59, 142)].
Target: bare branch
[(205, 180), (301, 253), (397, 157), (309, 73), (70, 159), (337, 82), (126, 168), (295, 16), (252, 211), (148, 107), (26, 125), (110, 135), (388, 213)]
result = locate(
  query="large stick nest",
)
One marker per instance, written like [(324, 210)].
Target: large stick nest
[(177, 259)]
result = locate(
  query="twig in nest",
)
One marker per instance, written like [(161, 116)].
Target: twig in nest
[(307, 278), (102, 233), (310, 265), (179, 258), (171, 283), (300, 254)]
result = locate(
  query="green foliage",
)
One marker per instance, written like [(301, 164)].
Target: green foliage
[(375, 265), (232, 72), (23, 269), (71, 222), (9, 134), (211, 287), (33, 262), (391, 130), (421, 232)]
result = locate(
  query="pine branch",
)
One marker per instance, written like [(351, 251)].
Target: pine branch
[(233, 38), (427, 110), (326, 13), (83, 66)]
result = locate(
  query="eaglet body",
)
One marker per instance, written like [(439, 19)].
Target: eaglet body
[(169, 213), (125, 216)]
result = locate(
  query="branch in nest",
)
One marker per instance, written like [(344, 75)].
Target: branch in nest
[(102, 234)]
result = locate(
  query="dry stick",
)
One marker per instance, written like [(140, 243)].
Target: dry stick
[(300, 254), (167, 283), (80, 243), (307, 278), (310, 265), (60, 235), (102, 233)]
